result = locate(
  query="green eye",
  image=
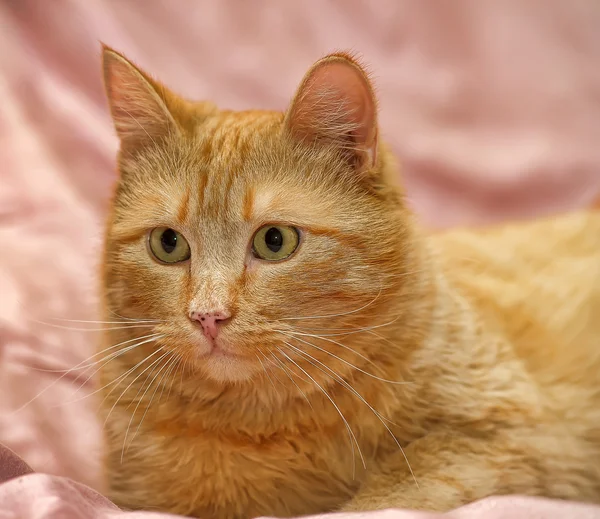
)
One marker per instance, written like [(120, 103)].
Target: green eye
[(275, 242), (168, 246)]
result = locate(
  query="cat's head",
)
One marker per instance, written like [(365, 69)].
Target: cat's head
[(255, 240)]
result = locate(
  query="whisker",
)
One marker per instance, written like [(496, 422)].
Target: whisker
[(78, 366), (349, 429), (81, 365), (135, 398), (345, 384), (269, 360), (110, 357), (116, 380), (129, 318), (272, 364), (291, 333), (124, 375), (332, 315), (353, 330), (180, 357), (182, 374), (287, 372), (133, 381), (359, 330), (348, 363), (84, 320), (167, 363), (132, 321), (265, 371), (381, 337), (75, 329)]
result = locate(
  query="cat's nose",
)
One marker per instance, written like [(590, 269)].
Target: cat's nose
[(210, 321)]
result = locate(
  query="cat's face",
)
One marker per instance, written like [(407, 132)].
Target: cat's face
[(253, 239)]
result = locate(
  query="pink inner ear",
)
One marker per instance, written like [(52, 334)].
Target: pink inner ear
[(139, 114), (335, 103), (352, 89)]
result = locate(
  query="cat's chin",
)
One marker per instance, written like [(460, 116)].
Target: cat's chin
[(227, 368)]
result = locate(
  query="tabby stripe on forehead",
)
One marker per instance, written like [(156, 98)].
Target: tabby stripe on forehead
[(239, 150), (248, 207), (184, 208), (202, 188), (231, 174)]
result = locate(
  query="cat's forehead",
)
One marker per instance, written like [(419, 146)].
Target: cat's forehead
[(238, 167), (230, 136)]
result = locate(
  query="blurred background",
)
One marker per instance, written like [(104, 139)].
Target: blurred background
[(493, 108)]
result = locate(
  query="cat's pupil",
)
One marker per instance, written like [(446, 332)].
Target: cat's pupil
[(274, 239), (168, 240)]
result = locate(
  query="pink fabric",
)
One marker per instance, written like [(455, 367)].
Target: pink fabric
[(35, 496), (492, 107)]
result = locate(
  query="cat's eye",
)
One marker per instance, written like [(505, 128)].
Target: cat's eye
[(275, 242), (168, 246)]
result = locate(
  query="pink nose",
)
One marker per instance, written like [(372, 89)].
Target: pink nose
[(210, 321)]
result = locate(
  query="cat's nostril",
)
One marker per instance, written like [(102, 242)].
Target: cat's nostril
[(210, 321)]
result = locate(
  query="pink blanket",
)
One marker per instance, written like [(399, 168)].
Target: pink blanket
[(26, 495), (492, 107)]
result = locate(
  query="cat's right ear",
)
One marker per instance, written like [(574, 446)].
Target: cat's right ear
[(335, 106), (138, 104)]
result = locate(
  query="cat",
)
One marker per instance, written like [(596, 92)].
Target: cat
[(286, 339)]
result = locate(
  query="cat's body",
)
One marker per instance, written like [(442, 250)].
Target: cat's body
[(470, 356)]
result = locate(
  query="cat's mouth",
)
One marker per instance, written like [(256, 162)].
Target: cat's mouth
[(222, 363), (218, 351)]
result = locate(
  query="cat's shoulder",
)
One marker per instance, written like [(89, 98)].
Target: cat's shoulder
[(521, 244), (538, 280)]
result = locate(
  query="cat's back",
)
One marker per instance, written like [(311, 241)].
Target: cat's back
[(539, 281)]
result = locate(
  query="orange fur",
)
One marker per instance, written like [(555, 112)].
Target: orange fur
[(376, 357)]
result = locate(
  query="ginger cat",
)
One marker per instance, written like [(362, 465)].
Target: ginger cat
[(287, 340)]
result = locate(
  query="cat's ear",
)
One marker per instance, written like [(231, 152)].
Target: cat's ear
[(138, 104), (335, 106)]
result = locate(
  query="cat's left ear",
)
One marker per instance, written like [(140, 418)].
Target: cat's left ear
[(335, 106), (141, 108)]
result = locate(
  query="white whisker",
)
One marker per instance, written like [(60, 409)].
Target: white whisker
[(274, 365), (65, 373), (287, 372), (354, 331), (129, 318), (267, 374), (331, 315), (112, 357), (81, 364), (182, 374), (345, 384), (133, 381), (132, 321), (175, 367), (346, 362), (167, 363), (349, 429), (292, 333), (75, 329)]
